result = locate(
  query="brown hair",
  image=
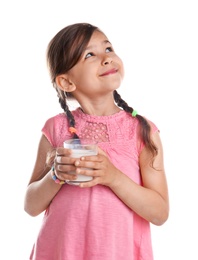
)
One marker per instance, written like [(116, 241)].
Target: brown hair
[(63, 52)]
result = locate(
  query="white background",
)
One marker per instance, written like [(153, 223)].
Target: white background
[(157, 41)]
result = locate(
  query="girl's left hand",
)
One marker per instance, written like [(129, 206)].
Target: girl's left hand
[(99, 166)]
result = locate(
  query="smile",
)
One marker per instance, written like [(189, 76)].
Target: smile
[(112, 71)]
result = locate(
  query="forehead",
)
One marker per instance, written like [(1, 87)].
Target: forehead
[(97, 37)]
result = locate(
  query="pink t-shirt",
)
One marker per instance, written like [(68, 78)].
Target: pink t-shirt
[(93, 223)]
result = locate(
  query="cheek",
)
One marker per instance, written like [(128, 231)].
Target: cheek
[(77, 77), (84, 82), (122, 73), (122, 70), (121, 67)]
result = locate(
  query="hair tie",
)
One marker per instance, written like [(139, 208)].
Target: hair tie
[(72, 130), (134, 113)]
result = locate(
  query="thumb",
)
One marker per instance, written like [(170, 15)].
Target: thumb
[(101, 152)]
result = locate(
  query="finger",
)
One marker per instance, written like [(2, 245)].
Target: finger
[(87, 164), (63, 151), (64, 168), (90, 158), (70, 175), (101, 152), (64, 158), (88, 184)]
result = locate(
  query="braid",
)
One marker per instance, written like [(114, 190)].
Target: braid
[(145, 127), (69, 115), (121, 103)]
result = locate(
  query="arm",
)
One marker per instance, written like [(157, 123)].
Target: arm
[(41, 188), (150, 201)]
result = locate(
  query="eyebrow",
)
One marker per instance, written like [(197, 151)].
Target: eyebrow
[(107, 41), (92, 46)]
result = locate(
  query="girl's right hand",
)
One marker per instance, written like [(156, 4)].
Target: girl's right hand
[(63, 164)]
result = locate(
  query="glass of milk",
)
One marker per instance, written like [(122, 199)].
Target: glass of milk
[(79, 148)]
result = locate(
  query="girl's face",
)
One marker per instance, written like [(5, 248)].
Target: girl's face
[(99, 70)]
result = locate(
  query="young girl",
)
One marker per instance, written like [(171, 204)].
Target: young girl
[(107, 218)]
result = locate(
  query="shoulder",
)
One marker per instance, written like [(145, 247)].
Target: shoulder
[(56, 120), (153, 126), (55, 128)]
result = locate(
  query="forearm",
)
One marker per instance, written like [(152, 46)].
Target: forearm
[(145, 202), (39, 194)]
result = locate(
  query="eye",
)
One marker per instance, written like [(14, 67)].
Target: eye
[(109, 49), (89, 55)]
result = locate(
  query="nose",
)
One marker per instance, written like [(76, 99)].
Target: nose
[(107, 60)]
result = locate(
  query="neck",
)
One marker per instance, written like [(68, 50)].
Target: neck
[(101, 112)]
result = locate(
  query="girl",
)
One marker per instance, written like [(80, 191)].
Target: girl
[(107, 218)]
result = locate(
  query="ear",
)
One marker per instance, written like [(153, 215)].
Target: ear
[(63, 82)]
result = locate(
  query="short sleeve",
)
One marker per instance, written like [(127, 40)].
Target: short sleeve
[(154, 129), (55, 130)]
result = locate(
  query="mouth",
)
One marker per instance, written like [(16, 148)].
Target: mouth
[(109, 72)]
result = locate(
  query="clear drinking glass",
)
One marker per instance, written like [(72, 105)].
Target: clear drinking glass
[(80, 147)]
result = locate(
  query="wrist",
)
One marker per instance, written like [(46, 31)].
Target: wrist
[(55, 178)]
